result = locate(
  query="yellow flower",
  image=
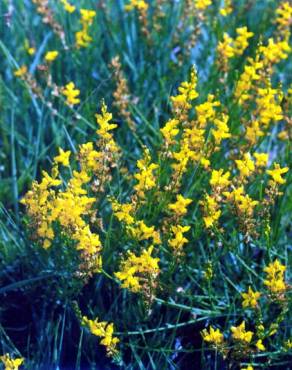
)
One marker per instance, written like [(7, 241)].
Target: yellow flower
[(202, 4), (146, 178), (249, 367), (71, 94), (187, 93), (179, 240), (274, 52), (239, 333), (68, 7), (136, 271), (227, 9), (105, 331), (87, 16), (206, 112), (277, 173), (20, 71), (205, 162), (82, 37), (247, 78), (11, 364), (241, 43), (253, 132), (222, 129), (180, 206), (214, 336), (284, 15), (123, 212), (141, 231), (30, 50), (275, 277), (63, 157), (103, 121), (51, 55), (211, 211), (245, 165), (219, 180), (261, 159), (268, 106), (250, 298), (170, 130), (136, 4), (260, 346)]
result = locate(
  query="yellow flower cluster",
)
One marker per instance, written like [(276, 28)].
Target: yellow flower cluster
[(247, 78), (192, 143), (67, 6), (219, 181), (268, 108), (283, 20), (71, 94), (250, 298), (214, 336), (274, 52), (138, 273), (275, 277), (221, 130), (47, 206), (245, 166), (145, 176), (105, 331), (11, 364), (242, 202), (70, 207), (178, 240), (169, 131), (51, 56), (82, 37), (239, 333), (136, 4), (21, 71), (211, 211), (230, 48), (105, 128), (123, 212), (202, 4), (277, 173), (179, 208), (187, 93), (135, 229), (227, 8)]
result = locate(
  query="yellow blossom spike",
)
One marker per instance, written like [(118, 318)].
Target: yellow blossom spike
[(180, 206), (250, 299), (275, 277), (246, 165), (261, 159), (67, 6), (239, 333), (220, 180), (63, 157), (11, 364), (178, 240), (277, 173), (105, 331), (71, 94), (137, 272)]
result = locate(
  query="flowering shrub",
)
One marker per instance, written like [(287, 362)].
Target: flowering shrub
[(145, 227)]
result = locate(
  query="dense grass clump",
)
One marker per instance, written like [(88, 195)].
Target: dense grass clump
[(145, 191)]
